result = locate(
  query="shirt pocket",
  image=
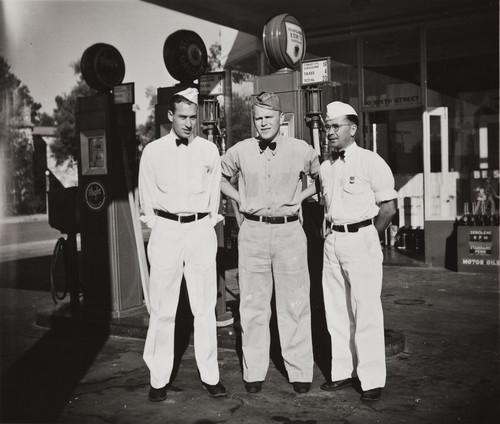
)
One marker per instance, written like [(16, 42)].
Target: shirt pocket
[(356, 188), (198, 180)]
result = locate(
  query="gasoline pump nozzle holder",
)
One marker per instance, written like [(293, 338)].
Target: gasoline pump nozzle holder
[(211, 115), (211, 119), (314, 119)]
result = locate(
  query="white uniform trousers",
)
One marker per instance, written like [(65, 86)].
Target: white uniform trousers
[(352, 285), (174, 249), (279, 251)]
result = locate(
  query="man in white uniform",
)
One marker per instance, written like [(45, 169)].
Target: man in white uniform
[(179, 186), (358, 187)]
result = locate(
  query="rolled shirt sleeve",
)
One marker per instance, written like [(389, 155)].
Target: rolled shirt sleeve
[(382, 181), (230, 163)]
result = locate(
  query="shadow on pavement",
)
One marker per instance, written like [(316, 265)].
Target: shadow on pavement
[(39, 385), (26, 274)]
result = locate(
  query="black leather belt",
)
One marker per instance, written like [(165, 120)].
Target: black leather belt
[(272, 219), (181, 218), (351, 228)]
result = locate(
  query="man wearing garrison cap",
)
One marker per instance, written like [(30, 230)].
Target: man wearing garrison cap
[(179, 188), (358, 188), (272, 244)]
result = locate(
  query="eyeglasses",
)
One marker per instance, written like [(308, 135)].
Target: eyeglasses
[(335, 127)]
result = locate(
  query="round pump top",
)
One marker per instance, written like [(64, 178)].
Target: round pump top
[(102, 67), (284, 41), (185, 55)]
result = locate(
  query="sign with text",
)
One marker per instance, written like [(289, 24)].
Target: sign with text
[(478, 249), (212, 84), (386, 101), (315, 71), (124, 93), (294, 41)]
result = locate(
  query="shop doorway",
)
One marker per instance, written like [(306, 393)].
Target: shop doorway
[(397, 136)]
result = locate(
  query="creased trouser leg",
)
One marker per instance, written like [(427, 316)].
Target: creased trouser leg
[(173, 246), (354, 261), (264, 250)]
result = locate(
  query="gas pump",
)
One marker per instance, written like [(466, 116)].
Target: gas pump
[(112, 248), (185, 57), (212, 86)]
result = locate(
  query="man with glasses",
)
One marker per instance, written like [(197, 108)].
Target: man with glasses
[(358, 188)]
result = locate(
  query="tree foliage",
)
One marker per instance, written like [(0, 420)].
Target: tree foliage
[(214, 55), (64, 117), (18, 113), (146, 131)]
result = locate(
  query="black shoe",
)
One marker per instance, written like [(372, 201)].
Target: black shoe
[(158, 395), (336, 385), (300, 387), (216, 390), (371, 395), (253, 386)]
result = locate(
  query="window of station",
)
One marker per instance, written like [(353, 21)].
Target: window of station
[(462, 75), (391, 70), (344, 71)]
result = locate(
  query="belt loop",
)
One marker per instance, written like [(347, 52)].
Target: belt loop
[(345, 228)]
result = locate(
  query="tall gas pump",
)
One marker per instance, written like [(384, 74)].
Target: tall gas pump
[(112, 248), (211, 90), (185, 57)]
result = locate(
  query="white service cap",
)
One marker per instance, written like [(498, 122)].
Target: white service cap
[(190, 94), (336, 109)]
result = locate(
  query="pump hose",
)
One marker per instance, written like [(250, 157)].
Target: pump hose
[(59, 250)]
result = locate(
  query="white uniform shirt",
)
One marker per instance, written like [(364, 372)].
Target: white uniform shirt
[(353, 186), (179, 179)]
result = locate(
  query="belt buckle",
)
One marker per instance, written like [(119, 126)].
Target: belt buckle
[(182, 219)]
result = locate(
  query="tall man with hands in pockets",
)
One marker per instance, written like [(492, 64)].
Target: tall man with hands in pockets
[(179, 187), (358, 188)]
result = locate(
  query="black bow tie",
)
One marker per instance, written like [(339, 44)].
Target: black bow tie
[(180, 141), (338, 154), (263, 145)]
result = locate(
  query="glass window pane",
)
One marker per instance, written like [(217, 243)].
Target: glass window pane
[(391, 66)]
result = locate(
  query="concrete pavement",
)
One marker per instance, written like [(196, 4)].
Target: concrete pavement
[(77, 372)]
